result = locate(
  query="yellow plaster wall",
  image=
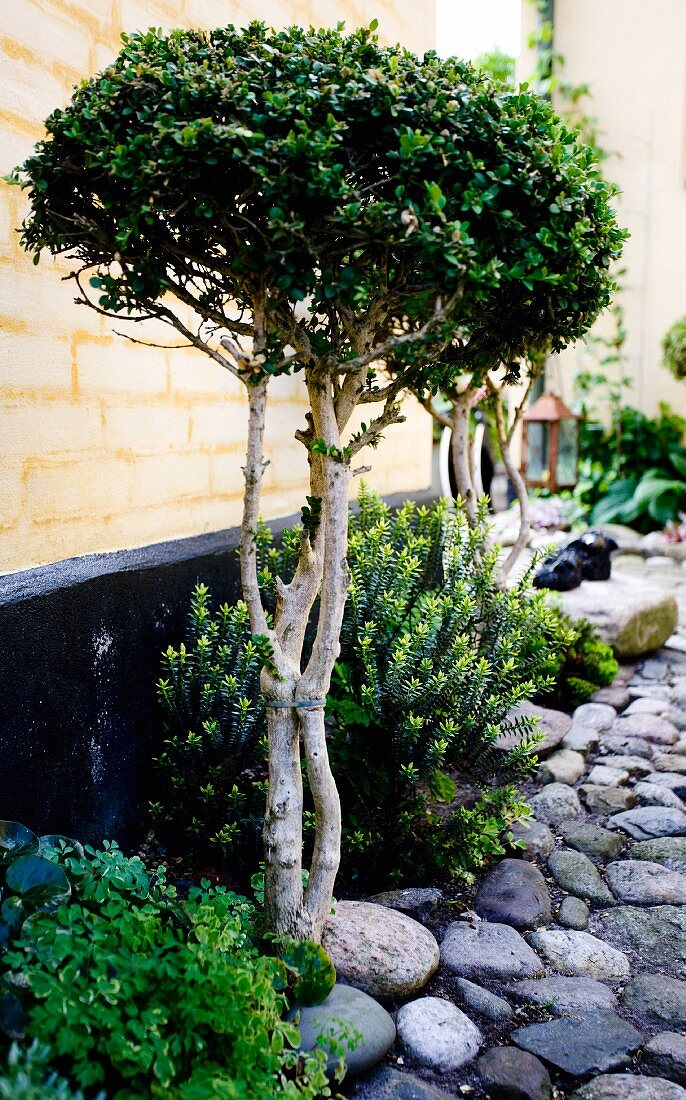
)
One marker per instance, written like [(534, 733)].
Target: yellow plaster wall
[(104, 445), (633, 56)]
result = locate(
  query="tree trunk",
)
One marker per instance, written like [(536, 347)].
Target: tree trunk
[(460, 447), (518, 484), (322, 567)]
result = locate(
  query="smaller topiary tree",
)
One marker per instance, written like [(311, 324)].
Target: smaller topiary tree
[(674, 349), (494, 394), (314, 202)]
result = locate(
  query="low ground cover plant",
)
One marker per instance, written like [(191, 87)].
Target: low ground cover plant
[(579, 667), (125, 985)]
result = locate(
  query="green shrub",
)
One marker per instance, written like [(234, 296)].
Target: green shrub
[(633, 471), (674, 349), (28, 1076), (147, 994), (582, 664), (434, 657), (211, 772)]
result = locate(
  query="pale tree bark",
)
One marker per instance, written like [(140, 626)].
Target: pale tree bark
[(460, 452), (294, 697), (505, 436)]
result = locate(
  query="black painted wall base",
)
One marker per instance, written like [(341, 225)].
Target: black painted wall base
[(80, 645)]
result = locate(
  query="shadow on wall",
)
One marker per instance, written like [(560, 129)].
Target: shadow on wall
[(80, 645)]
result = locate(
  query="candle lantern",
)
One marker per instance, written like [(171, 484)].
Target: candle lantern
[(550, 444)]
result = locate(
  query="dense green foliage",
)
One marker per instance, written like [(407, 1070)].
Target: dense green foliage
[(330, 168), (674, 349), (634, 470), (434, 656), (582, 665), (27, 1076), (499, 66), (211, 770), (131, 987)]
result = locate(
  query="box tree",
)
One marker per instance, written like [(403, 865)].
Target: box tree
[(313, 202)]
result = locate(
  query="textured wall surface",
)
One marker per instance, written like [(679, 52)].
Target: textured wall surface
[(106, 445), (633, 57)]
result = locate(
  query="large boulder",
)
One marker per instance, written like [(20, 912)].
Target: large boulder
[(633, 618), (379, 950), (349, 1021)]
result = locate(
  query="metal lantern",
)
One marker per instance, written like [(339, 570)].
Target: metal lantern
[(550, 444)]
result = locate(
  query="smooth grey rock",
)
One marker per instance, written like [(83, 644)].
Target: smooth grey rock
[(627, 745), (391, 1084), (670, 850), (553, 724), (378, 950), (637, 882), (581, 739), (573, 913), (604, 775), (536, 837), (555, 802), (615, 696), (631, 564), (563, 766), (606, 800), (580, 954), (481, 1000), (646, 822), (644, 690), (652, 794), (418, 902), (636, 766), (565, 996), (484, 951), (658, 998), (583, 1044), (657, 935), (634, 618), (628, 1086), (654, 669), (597, 716), (592, 840), (649, 727), (574, 872), (437, 1034), (672, 781), (347, 1016), (515, 893), (665, 1056), (646, 705), (508, 1073)]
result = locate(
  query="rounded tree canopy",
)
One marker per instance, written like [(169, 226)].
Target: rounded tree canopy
[(313, 165), (674, 349)]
